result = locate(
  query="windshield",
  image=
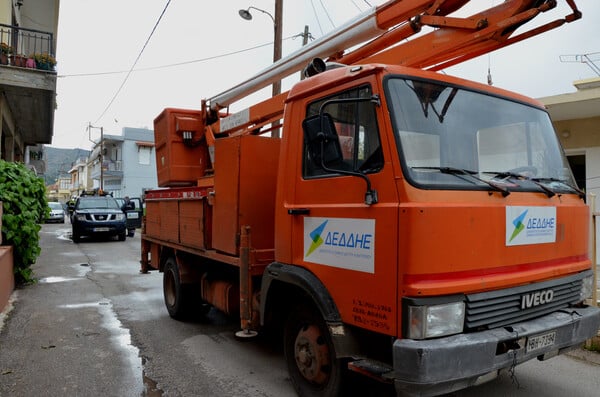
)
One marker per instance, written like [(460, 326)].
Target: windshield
[(97, 203), (449, 137), (55, 206)]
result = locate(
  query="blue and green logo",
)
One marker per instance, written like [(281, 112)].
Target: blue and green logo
[(316, 238), (519, 225)]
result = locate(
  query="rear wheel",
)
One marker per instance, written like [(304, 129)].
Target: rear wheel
[(310, 355), (177, 296)]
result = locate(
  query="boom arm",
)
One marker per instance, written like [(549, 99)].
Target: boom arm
[(452, 41)]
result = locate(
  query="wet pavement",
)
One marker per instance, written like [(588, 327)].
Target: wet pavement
[(92, 325), (63, 336)]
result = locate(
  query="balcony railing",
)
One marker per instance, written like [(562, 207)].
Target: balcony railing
[(23, 47)]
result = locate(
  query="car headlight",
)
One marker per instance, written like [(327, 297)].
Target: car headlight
[(587, 285), (80, 217), (120, 217), (430, 321)]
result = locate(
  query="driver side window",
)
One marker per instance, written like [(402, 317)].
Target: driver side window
[(357, 132)]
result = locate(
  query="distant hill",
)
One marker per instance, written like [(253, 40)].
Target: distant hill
[(59, 161)]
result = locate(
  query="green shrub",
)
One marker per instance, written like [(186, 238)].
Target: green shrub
[(23, 196)]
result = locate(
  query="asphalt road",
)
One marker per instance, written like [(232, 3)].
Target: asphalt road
[(94, 326)]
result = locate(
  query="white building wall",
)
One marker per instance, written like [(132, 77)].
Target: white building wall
[(139, 170), (592, 170)]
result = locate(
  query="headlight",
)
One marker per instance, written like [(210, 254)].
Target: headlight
[(80, 217), (587, 285), (120, 217), (435, 320)]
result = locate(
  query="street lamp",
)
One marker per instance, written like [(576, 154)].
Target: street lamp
[(278, 32)]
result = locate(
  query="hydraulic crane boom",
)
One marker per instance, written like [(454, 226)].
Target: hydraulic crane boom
[(382, 30)]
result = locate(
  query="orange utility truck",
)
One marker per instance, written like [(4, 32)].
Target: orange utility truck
[(410, 226)]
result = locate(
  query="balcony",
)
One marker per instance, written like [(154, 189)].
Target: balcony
[(29, 86)]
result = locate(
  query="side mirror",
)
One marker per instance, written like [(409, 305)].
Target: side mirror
[(323, 143)]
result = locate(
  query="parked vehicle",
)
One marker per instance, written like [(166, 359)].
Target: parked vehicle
[(57, 212), (98, 216), (409, 226), (134, 213)]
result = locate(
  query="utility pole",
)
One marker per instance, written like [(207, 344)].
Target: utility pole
[(101, 154), (277, 56), (305, 36)]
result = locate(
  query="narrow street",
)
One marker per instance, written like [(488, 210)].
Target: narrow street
[(92, 325)]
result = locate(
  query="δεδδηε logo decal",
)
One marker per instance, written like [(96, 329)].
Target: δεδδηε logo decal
[(519, 225), (316, 238)]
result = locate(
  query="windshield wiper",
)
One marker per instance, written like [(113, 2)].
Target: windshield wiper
[(459, 171), (579, 192), (507, 174)]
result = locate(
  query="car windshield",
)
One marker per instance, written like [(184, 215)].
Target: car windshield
[(453, 138), (97, 203), (55, 206)]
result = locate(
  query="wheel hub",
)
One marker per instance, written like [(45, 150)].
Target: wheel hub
[(312, 355)]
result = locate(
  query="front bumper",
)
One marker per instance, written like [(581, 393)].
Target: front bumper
[(436, 366), (89, 228)]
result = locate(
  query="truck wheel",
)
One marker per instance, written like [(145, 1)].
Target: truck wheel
[(310, 355), (177, 296)]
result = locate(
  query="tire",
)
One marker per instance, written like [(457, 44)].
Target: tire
[(177, 296), (130, 232), (76, 237), (122, 236), (310, 355)]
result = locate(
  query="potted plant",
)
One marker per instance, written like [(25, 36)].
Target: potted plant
[(44, 61), (5, 51), (18, 60)]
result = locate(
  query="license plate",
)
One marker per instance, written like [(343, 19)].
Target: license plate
[(132, 215), (101, 229), (540, 341)]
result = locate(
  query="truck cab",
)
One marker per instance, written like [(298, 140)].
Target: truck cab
[(436, 211)]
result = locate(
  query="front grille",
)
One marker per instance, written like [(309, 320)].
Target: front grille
[(493, 309), (102, 217)]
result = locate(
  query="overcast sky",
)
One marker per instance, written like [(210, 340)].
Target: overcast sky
[(201, 48)]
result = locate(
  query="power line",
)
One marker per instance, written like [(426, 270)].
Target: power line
[(135, 62), (327, 13), (175, 64), (316, 16)]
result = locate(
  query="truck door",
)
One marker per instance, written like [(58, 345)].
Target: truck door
[(349, 244)]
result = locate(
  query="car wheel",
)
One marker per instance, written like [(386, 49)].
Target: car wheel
[(310, 356), (178, 297), (76, 237), (122, 236), (131, 233)]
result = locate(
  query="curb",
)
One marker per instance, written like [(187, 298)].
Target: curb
[(7, 309), (583, 354)]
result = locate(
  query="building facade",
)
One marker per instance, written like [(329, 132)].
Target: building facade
[(27, 75), (576, 120), (128, 163)]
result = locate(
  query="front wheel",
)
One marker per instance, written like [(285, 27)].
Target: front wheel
[(310, 355)]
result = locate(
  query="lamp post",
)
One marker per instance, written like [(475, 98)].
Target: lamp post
[(278, 36)]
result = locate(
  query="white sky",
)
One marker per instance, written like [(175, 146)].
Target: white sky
[(97, 37)]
